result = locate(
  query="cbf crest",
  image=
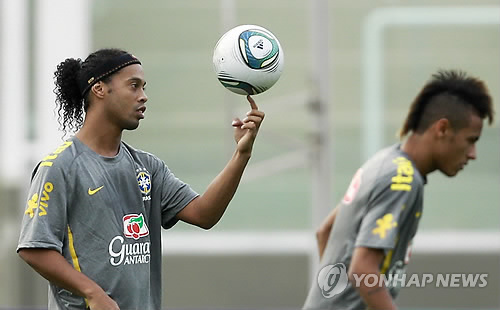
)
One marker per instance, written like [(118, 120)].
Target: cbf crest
[(144, 182)]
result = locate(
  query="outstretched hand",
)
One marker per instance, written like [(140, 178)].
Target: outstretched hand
[(246, 130)]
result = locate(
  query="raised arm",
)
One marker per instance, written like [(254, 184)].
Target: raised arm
[(206, 210), (52, 266)]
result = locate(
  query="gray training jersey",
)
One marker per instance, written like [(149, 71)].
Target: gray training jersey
[(381, 209), (104, 215)]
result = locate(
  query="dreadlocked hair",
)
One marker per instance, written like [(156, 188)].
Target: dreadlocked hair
[(452, 95), (71, 104)]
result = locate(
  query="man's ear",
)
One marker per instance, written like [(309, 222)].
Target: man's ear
[(98, 89), (442, 127)]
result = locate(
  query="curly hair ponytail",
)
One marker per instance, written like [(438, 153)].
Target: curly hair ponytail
[(72, 100), (69, 101)]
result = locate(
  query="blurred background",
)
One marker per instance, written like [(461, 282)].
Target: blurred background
[(352, 68)]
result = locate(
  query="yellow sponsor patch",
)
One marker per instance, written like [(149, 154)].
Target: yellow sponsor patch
[(47, 161), (43, 204), (384, 224), (404, 177), (32, 205)]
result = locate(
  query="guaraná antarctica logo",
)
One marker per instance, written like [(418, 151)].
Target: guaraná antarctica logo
[(128, 251), (134, 226)]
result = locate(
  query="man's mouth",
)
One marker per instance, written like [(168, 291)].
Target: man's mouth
[(141, 111)]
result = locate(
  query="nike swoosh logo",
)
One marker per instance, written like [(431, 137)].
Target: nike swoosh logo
[(93, 191)]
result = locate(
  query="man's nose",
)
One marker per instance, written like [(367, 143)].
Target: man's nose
[(472, 154)]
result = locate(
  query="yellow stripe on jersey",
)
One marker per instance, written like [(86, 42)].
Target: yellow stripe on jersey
[(387, 259), (74, 258), (72, 251), (387, 262)]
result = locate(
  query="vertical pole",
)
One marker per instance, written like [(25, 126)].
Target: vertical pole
[(228, 14), (60, 30), (228, 21), (13, 97), (14, 66), (59, 34), (372, 78), (320, 91)]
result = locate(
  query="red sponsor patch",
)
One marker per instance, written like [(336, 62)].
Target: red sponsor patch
[(353, 187), (134, 226)]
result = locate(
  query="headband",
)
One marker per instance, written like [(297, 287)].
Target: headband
[(106, 69)]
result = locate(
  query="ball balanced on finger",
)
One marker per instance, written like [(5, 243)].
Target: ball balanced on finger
[(248, 60)]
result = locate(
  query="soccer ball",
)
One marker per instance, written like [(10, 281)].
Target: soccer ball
[(248, 60)]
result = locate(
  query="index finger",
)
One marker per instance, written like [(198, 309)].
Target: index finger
[(253, 105)]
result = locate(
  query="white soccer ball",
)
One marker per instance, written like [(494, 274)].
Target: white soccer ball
[(248, 59)]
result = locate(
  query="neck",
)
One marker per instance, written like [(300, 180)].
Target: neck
[(418, 148), (104, 141)]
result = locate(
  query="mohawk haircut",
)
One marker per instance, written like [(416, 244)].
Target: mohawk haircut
[(452, 95)]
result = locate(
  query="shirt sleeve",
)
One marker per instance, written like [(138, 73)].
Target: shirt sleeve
[(44, 221), (386, 208), (175, 196)]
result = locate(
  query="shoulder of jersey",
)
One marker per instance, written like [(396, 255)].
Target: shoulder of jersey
[(59, 155), (404, 174), (140, 154), (395, 169), (381, 164)]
